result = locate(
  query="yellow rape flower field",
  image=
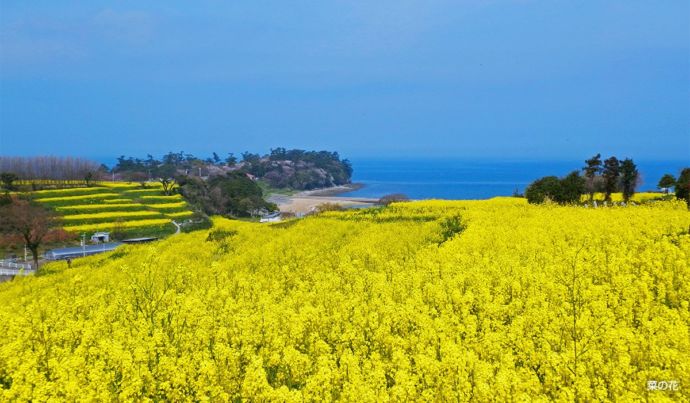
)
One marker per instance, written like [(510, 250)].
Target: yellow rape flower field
[(155, 222), (115, 214), (424, 301)]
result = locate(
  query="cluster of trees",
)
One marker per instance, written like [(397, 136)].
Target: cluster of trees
[(611, 175), (50, 168), (680, 185), (229, 194), (607, 176), (281, 168), (298, 169)]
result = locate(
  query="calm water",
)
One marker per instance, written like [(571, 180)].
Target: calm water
[(455, 179)]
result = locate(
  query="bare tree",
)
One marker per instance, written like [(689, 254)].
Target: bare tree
[(34, 224), (48, 167)]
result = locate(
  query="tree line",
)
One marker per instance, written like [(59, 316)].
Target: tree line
[(59, 169), (281, 168), (600, 176)]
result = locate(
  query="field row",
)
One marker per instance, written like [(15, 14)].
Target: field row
[(114, 206)]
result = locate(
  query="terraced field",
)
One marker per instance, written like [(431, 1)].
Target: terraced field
[(123, 208)]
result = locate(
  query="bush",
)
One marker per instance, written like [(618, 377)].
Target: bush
[(393, 198), (328, 207), (542, 189), (563, 191)]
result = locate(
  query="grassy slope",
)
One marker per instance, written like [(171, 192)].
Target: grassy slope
[(109, 206)]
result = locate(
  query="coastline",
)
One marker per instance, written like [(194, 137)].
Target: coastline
[(331, 191), (305, 202)]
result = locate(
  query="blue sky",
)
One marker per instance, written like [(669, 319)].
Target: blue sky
[(467, 79)]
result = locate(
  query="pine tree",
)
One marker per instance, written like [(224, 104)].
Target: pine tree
[(611, 174), (629, 178), (592, 169)]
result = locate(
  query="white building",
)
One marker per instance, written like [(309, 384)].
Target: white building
[(100, 237), (273, 217)]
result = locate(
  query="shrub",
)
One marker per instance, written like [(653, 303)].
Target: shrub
[(393, 198), (567, 190)]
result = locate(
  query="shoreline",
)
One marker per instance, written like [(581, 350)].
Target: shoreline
[(306, 201), (330, 191)]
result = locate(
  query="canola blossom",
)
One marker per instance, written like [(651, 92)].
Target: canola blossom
[(162, 199), (103, 226), (68, 191), (169, 206), (76, 198), (618, 197), (116, 206), (99, 207), (152, 191), (180, 214), (128, 185), (491, 300), (109, 214)]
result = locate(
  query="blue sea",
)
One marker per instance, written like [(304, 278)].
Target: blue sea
[(463, 179)]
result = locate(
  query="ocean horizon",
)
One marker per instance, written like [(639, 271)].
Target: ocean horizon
[(448, 178), (480, 179)]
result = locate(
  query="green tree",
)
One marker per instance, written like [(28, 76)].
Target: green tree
[(611, 174), (233, 194), (563, 191), (683, 186), (666, 182), (629, 178), (592, 169), (88, 178), (572, 187), (544, 188), (8, 179), (231, 160), (166, 176)]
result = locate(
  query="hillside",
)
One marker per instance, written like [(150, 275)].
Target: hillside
[(435, 300), (119, 207)]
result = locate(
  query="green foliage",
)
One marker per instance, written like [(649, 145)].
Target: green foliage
[(8, 179), (683, 185), (541, 189), (299, 169), (591, 170), (629, 178), (220, 234), (450, 227), (611, 175), (666, 182), (393, 198), (567, 190), (231, 194)]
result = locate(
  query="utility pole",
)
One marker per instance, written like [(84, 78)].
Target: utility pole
[(25, 253), (83, 244)]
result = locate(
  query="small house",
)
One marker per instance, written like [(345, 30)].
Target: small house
[(100, 237)]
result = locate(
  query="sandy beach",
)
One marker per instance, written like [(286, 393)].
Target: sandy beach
[(305, 202)]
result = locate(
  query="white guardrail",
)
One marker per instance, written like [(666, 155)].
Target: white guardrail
[(14, 269)]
